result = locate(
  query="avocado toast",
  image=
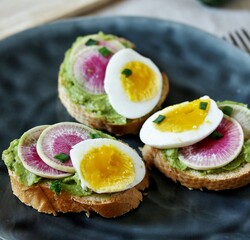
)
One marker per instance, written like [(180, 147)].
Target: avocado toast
[(56, 187), (81, 84), (218, 160)]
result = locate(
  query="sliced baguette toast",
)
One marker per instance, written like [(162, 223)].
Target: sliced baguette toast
[(41, 198), (81, 115), (193, 179)]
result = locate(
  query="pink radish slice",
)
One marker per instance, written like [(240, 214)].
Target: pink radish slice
[(214, 153), (30, 158), (113, 45), (89, 70), (59, 138), (89, 65), (241, 114)]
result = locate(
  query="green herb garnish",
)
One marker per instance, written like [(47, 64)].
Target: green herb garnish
[(94, 135), (62, 157), (216, 135), (104, 51), (91, 42), (227, 110), (56, 186), (203, 105), (159, 119), (127, 72)]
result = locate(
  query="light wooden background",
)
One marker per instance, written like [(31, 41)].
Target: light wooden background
[(18, 15)]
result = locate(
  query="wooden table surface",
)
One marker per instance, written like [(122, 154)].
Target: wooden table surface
[(18, 15)]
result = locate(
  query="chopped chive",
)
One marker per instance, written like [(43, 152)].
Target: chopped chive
[(62, 157), (56, 186), (94, 135), (227, 110), (91, 42), (216, 135), (203, 105), (104, 51), (159, 119), (127, 72)]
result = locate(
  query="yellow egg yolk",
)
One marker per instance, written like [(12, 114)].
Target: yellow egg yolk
[(184, 117), (141, 84), (107, 169)]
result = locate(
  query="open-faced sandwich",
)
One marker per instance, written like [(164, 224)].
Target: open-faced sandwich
[(105, 84), (201, 144), (68, 167)]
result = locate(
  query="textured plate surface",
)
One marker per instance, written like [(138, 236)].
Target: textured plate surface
[(196, 63)]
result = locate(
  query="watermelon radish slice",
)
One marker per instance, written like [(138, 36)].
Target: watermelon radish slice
[(113, 45), (59, 139), (214, 153), (30, 158), (241, 114), (89, 63), (89, 69), (85, 62)]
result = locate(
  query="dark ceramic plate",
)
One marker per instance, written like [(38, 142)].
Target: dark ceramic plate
[(196, 63)]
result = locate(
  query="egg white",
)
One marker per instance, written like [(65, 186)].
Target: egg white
[(116, 94), (152, 136), (79, 150)]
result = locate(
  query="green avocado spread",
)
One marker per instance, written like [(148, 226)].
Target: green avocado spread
[(96, 104), (69, 184), (171, 155)]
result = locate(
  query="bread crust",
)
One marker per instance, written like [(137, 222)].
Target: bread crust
[(192, 179), (41, 198), (132, 126)]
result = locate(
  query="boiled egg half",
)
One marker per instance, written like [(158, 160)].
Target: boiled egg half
[(133, 83), (182, 124), (107, 165)]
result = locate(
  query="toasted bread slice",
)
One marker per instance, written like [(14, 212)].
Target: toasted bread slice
[(193, 179), (79, 112), (41, 198)]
